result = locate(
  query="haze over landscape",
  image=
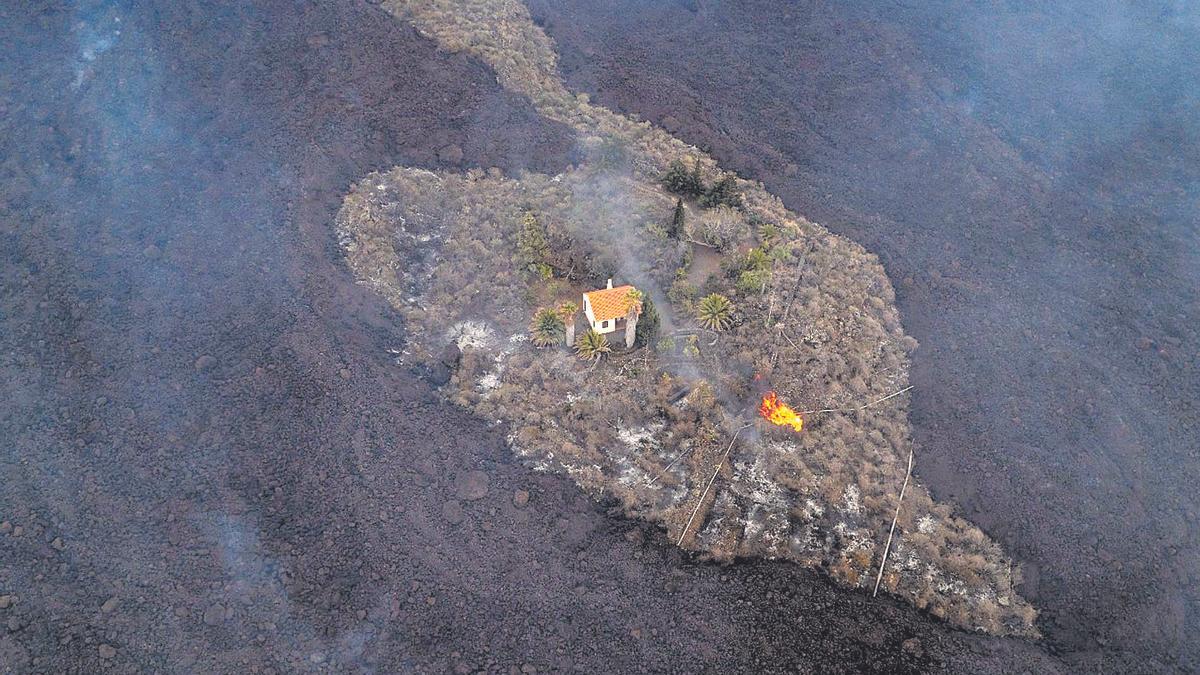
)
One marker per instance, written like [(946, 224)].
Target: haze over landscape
[(216, 460)]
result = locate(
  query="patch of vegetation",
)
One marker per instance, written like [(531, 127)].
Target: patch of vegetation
[(650, 426), (547, 328), (592, 345), (723, 193), (714, 312), (678, 225), (648, 323), (682, 181)]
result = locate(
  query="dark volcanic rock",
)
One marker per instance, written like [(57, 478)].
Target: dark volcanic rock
[(440, 371), (1032, 209), (472, 485)]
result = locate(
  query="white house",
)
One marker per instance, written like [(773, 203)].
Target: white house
[(608, 310)]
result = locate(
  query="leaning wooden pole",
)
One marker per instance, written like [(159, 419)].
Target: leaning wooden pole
[(888, 547), (709, 486)]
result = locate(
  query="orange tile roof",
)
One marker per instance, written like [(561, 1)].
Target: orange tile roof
[(609, 303)]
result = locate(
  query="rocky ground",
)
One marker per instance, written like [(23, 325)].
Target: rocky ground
[(1024, 173), (212, 462)]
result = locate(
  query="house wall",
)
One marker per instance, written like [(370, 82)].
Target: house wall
[(613, 324)]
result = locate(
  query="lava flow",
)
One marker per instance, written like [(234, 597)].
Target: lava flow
[(777, 412)]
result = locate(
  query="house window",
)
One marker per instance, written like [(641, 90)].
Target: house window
[(604, 324)]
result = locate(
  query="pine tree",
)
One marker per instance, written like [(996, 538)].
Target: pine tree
[(532, 245), (647, 325), (676, 229), (696, 182)]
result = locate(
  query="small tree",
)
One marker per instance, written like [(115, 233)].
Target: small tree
[(676, 229), (546, 328), (724, 192), (715, 312), (532, 245), (679, 180), (566, 312), (633, 307), (647, 325), (633, 301), (750, 282), (592, 345), (696, 181)]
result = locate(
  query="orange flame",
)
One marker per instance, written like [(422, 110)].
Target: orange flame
[(777, 412)]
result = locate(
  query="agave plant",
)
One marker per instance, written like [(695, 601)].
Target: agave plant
[(546, 328), (714, 311), (592, 345)]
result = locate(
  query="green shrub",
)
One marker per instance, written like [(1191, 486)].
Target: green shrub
[(679, 180), (715, 312), (751, 282), (592, 345), (723, 193), (682, 294), (648, 322), (547, 327)]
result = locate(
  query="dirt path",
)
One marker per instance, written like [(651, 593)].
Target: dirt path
[(211, 463)]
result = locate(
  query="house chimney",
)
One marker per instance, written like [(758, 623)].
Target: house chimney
[(610, 283)]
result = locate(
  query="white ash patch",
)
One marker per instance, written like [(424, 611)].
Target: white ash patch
[(851, 500), (901, 559), (637, 441), (853, 539), (942, 582), (926, 524), (678, 469), (814, 336), (488, 383), (475, 335), (768, 527), (711, 533), (784, 447), (755, 483), (630, 474), (812, 510), (805, 539), (643, 438), (767, 517), (754, 526)]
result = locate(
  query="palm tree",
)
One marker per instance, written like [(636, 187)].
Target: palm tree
[(633, 306), (714, 311), (566, 312), (546, 328), (592, 346), (633, 301)]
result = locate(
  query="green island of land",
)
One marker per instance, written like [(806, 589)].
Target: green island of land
[(735, 296)]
